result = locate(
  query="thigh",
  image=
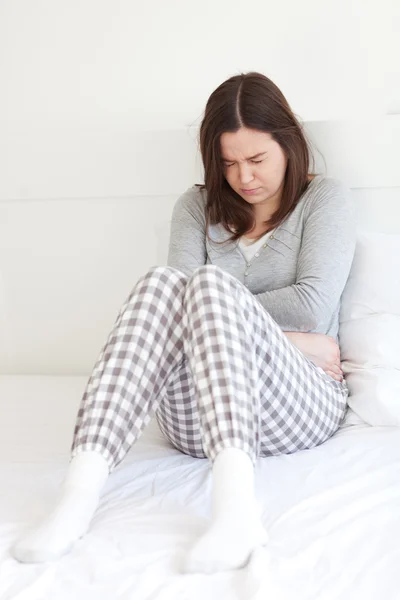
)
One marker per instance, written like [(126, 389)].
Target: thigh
[(177, 414), (295, 404), (300, 405)]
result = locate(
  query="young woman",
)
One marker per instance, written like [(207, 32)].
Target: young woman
[(233, 345)]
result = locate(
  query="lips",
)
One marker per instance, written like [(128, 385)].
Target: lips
[(252, 191)]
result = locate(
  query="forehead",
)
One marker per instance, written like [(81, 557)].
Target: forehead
[(244, 143)]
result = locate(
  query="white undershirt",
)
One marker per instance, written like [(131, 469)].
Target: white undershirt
[(250, 247)]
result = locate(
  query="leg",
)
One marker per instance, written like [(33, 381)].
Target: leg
[(178, 415), (125, 387), (258, 395)]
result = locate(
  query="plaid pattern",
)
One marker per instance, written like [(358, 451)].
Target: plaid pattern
[(208, 360)]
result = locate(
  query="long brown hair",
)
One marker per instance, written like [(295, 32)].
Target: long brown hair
[(253, 101)]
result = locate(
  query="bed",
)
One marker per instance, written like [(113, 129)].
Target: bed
[(332, 513)]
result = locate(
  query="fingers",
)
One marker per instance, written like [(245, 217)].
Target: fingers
[(335, 370), (338, 376), (335, 376), (336, 366)]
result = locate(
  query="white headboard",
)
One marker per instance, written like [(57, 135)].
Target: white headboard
[(366, 156), (81, 220)]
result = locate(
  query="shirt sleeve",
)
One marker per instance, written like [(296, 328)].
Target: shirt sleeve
[(324, 262), (187, 244)]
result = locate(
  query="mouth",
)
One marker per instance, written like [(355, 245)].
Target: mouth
[(252, 191)]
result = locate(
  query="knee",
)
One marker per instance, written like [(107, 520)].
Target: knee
[(207, 272), (161, 270), (156, 279), (208, 268), (160, 275), (207, 276)]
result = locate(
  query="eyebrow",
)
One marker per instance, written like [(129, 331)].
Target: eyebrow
[(249, 158)]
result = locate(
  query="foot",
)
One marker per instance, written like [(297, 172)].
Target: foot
[(69, 520), (225, 546), (57, 534)]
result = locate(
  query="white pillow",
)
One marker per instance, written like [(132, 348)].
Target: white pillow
[(369, 331)]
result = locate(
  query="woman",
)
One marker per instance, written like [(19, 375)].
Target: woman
[(234, 344)]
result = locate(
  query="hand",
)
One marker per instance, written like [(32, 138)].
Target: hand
[(321, 349)]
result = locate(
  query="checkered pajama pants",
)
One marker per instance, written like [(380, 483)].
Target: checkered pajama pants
[(208, 360)]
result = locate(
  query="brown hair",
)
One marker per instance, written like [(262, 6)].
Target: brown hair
[(250, 100)]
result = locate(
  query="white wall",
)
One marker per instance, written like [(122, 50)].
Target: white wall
[(99, 104), (89, 74)]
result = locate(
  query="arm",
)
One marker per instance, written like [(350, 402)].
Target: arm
[(187, 247), (326, 254)]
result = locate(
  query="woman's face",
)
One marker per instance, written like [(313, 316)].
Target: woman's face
[(244, 170)]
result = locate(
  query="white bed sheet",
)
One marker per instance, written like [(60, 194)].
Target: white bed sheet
[(332, 512)]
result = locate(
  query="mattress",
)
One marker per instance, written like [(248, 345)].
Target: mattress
[(332, 513)]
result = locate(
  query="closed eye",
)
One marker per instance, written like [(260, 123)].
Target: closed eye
[(253, 161)]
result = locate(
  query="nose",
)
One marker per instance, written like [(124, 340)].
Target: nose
[(245, 175)]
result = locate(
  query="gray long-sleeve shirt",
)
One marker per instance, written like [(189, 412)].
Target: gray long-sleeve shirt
[(299, 274)]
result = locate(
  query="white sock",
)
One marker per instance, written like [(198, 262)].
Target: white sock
[(236, 528), (69, 520)]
